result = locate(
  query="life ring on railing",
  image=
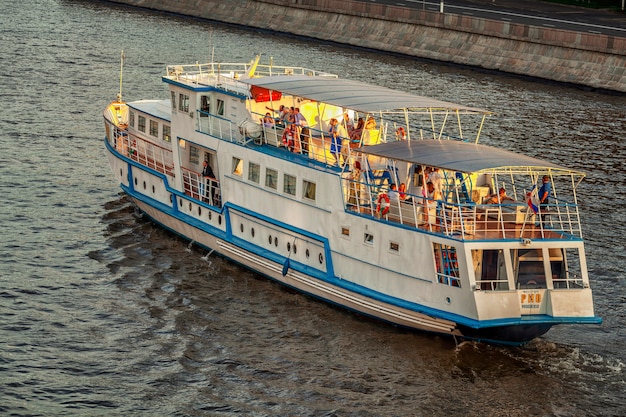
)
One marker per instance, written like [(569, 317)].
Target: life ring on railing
[(382, 204)]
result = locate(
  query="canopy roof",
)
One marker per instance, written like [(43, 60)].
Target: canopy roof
[(459, 156), (354, 95)]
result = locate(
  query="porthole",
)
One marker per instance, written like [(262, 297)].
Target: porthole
[(153, 190), (171, 198), (180, 203), (294, 248), (145, 185), (276, 241), (190, 207), (288, 246), (252, 231), (448, 300), (241, 227), (136, 182), (321, 258), (121, 172), (269, 239), (210, 214), (219, 220), (306, 253), (199, 211)]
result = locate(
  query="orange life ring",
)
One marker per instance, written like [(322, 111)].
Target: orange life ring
[(382, 205)]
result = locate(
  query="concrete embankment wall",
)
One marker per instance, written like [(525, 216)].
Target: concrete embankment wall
[(586, 59)]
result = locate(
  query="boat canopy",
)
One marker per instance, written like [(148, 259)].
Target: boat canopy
[(461, 156), (355, 95)]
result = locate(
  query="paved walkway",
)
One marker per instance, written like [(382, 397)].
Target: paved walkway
[(552, 10)]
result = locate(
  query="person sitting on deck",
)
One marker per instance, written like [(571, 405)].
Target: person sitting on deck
[(393, 193), (499, 198)]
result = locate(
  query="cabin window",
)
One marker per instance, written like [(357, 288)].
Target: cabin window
[(131, 118), (254, 172), (141, 124), (447, 265), (529, 267), (368, 238), (289, 184), (183, 102), (205, 106), (173, 101), (167, 133), (490, 269), (345, 231), (308, 190), (194, 155), (565, 268), (237, 166), (154, 128), (394, 247), (220, 107), (271, 178)]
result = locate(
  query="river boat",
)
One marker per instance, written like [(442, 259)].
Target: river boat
[(310, 203)]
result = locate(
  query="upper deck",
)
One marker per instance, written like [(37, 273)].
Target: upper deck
[(435, 134)]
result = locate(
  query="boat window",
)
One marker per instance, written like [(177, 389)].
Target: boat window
[(154, 128), (220, 107), (490, 269), (530, 271), (194, 155), (141, 123), (167, 133), (565, 268), (131, 118), (308, 190), (271, 178), (394, 247), (447, 265), (254, 172), (183, 102), (205, 106), (368, 238), (289, 184), (345, 231), (237, 166), (174, 101)]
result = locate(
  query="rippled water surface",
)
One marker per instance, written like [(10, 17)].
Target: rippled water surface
[(102, 313)]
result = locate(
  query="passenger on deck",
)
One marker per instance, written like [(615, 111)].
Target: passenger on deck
[(400, 133), (430, 212), (268, 120), (280, 112), (208, 178), (348, 123), (544, 196), (498, 198), (302, 131), (433, 175), (355, 135), (393, 193), (335, 140), (402, 192)]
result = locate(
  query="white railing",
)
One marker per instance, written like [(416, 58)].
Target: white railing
[(142, 151)]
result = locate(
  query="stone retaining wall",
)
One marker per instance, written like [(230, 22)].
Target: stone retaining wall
[(591, 60)]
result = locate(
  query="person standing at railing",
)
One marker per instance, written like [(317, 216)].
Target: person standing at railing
[(544, 196), (302, 131), (208, 178)]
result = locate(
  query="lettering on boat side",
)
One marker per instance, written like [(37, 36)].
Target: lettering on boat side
[(530, 299)]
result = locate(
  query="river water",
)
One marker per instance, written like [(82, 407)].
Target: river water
[(102, 313)]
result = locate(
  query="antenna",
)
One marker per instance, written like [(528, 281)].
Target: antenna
[(119, 95)]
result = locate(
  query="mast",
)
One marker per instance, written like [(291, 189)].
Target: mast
[(119, 95)]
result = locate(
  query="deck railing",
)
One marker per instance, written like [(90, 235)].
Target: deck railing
[(466, 221), (146, 153)]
